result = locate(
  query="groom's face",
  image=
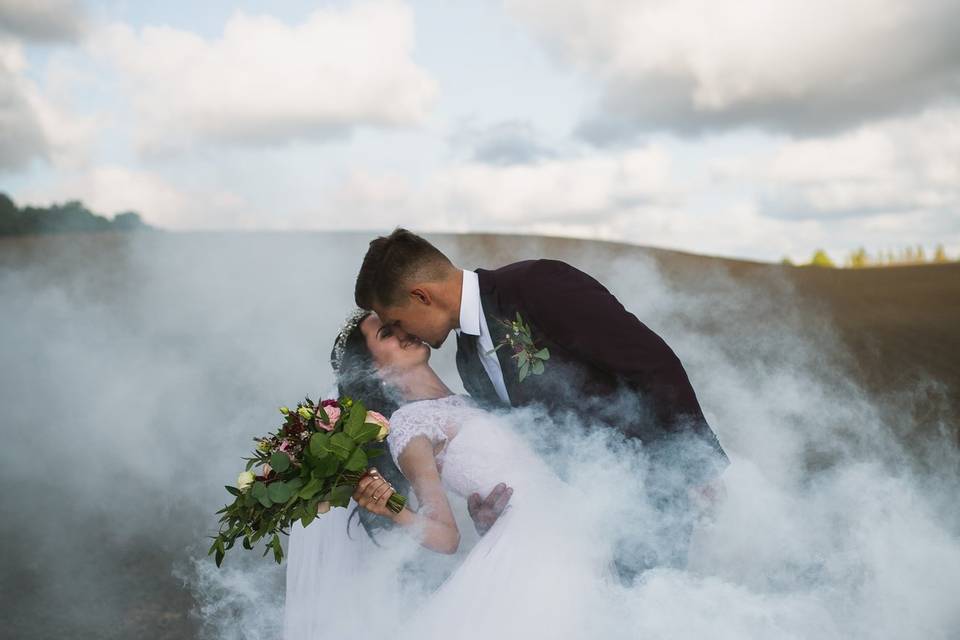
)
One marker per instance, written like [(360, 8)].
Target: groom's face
[(416, 320)]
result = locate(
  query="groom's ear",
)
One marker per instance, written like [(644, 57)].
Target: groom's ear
[(421, 295)]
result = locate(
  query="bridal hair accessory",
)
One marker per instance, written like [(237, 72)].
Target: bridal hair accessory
[(530, 359), (340, 344)]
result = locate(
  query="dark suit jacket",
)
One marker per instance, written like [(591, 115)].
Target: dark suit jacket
[(602, 358)]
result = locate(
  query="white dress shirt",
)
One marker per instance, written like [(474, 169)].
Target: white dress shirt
[(473, 322)]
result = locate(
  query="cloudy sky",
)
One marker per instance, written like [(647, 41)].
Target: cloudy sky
[(742, 128)]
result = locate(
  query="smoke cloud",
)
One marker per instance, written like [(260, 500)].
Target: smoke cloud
[(138, 368)]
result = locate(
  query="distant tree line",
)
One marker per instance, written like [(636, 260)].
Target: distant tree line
[(859, 258), (68, 217)]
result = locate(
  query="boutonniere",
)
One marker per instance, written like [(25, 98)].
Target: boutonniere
[(529, 358)]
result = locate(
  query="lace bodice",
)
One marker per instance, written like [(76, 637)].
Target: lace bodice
[(479, 450)]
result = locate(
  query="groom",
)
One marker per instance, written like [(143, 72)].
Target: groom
[(599, 360)]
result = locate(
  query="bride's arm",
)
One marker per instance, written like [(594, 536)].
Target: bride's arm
[(434, 521)]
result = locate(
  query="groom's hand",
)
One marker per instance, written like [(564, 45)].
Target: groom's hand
[(486, 511)]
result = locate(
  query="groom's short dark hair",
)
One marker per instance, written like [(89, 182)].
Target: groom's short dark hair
[(393, 260)]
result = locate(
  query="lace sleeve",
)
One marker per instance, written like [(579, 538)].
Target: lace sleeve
[(410, 421)]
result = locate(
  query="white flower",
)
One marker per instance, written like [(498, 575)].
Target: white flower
[(244, 480)]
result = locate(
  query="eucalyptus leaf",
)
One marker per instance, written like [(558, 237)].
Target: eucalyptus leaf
[(279, 461), (543, 354), (537, 367), (279, 492)]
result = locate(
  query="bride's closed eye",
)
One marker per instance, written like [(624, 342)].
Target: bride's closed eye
[(384, 332)]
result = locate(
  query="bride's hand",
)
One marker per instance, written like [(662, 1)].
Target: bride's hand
[(373, 492)]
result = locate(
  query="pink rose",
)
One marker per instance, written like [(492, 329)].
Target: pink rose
[(333, 412), (377, 418)]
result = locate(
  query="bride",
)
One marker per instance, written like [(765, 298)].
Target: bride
[(532, 574)]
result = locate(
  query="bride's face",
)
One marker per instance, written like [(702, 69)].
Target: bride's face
[(388, 350)]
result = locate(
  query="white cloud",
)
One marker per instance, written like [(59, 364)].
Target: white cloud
[(266, 82), (475, 196), (899, 165), (796, 65), (32, 126), (21, 136)]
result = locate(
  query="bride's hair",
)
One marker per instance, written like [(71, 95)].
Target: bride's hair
[(357, 377)]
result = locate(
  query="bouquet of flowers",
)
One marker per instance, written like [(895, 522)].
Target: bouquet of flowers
[(312, 463)]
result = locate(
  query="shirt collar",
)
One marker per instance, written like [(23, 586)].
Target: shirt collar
[(470, 304)]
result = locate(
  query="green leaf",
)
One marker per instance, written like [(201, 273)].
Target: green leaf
[(339, 493), (326, 467), (357, 460), (232, 490), (320, 444), (358, 413), (259, 491), (537, 367), (277, 548), (307, 518), (524, 371), (295, 483), (342, 445), (523, 357), (323, 417), (279, 461), (310, 489), (543, 354), (279, 492), (367, 433)]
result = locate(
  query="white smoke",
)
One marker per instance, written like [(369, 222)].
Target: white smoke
[(137, 370)]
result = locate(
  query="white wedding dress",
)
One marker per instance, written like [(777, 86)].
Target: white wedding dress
[(530, 574), (534, 574)]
